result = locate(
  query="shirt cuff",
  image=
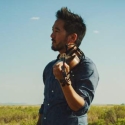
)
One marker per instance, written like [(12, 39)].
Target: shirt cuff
[(82, 110)]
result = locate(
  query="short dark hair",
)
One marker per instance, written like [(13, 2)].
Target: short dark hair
[(73, 23)]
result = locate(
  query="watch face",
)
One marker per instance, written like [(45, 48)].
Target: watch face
[(64, 82)]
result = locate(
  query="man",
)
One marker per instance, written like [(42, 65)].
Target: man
[(69, 91)]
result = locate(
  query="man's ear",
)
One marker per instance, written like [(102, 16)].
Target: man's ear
[(72, 38)]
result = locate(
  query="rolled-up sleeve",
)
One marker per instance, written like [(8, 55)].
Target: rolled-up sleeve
[(86, 82)]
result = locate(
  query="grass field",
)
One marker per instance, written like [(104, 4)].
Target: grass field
[(97, 115)]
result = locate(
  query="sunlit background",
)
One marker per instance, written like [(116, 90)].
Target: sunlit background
[(25, 47)]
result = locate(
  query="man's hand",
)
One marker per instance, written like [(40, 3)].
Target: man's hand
[(59, 68)]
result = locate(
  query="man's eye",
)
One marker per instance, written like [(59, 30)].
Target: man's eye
[(56, 31)]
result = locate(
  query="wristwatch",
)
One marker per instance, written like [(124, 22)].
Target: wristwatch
[(64, 82)]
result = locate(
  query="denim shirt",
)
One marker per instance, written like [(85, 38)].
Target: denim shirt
[(55, 110)]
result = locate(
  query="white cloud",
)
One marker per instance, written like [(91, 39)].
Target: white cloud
[(96, 31), (35, 18)]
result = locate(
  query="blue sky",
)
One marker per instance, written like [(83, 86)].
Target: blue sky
[(25, 46)]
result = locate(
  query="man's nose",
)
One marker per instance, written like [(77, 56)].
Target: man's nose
[(52, 35)]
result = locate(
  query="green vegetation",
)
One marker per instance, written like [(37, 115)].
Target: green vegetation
[(18, 115), (28, 115), (107, 115)]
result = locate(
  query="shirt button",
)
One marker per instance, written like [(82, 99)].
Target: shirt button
[(48, 103), (72, 75), (52, 91), (44, 117)]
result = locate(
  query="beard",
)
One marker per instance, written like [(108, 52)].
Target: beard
[(58, 47)]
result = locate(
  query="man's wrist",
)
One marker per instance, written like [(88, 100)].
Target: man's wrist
[(64, 82)]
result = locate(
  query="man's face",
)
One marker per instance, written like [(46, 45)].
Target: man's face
[(59, 36)]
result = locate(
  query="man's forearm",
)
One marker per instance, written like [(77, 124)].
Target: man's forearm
[(74, 100)]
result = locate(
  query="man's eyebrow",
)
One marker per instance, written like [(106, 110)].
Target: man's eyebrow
[(56, 28)]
